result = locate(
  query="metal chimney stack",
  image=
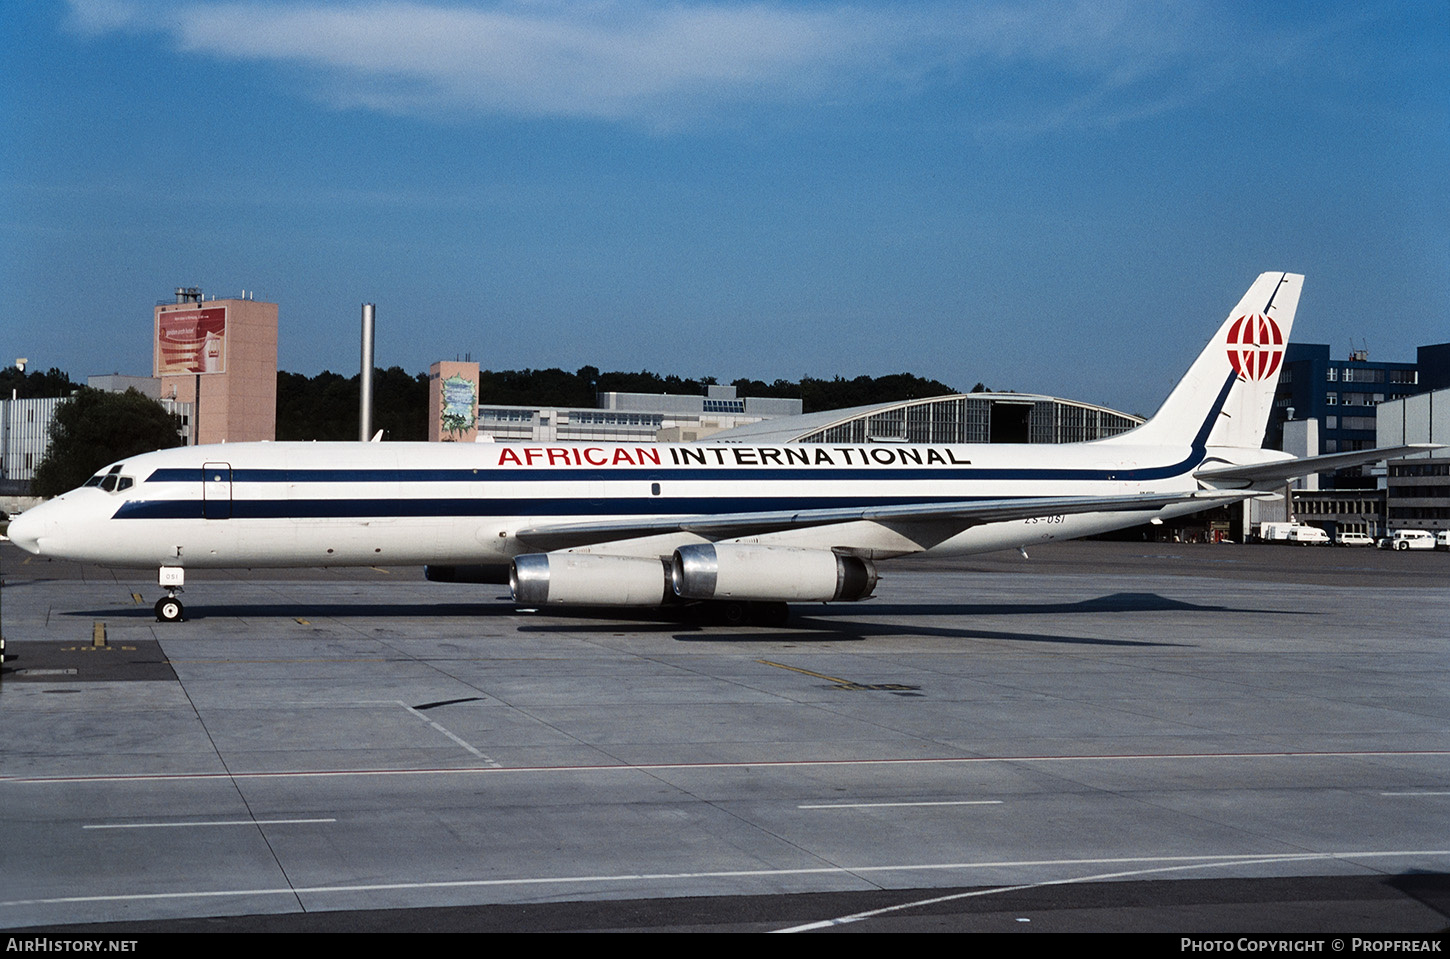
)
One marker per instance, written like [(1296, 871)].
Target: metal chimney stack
[(365, 408)]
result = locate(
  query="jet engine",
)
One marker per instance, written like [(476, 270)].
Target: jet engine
[(769, 573), (584, 579)]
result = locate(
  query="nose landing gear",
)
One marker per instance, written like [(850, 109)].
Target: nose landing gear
[(169, 608)]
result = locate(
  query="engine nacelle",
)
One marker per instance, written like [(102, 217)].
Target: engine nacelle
[(769, 573), (584, 579)]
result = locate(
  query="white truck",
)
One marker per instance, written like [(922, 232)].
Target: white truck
[(1275, 532), (1308, 536), (1293, 533)]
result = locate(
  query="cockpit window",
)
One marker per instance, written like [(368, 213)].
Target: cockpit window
[(112, 481)]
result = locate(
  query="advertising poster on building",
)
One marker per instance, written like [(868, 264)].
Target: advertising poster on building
[(460, 400), (191, 341)]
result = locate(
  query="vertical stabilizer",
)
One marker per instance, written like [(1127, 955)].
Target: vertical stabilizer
[(1225, 398)]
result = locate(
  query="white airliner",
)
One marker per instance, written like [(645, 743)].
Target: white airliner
[(751, 527)]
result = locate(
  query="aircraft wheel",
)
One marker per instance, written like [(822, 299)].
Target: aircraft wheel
[(168, 610), (734, 612), (771, 614)]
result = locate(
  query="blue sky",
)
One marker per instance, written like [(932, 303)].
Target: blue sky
[(1058, 197)]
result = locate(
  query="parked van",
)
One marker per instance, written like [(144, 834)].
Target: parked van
[(1349, 538), (1407, 539)]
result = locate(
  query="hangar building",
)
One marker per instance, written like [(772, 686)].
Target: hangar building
[(959, 418)]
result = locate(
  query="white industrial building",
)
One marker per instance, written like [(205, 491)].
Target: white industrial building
[(24, 437), (633, 417), (1417, 488)]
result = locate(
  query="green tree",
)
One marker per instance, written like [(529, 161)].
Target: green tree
[(325, 406), (94, 428), (35, 385), (840, 393), (400, 404)]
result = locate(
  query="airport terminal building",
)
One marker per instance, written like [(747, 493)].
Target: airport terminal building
[(1410, 493), (1417, 488), (1325, 405), (1342, 397)]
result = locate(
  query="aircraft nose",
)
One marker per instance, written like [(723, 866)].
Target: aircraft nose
[(26, 529)]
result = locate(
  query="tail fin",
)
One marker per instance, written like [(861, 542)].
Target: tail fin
[(1225, 398)]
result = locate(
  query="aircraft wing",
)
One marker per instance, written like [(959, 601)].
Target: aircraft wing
[(1278, 472), (958, 515)]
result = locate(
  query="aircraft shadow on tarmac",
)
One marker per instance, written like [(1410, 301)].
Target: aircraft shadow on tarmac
[(843, 622), (1112, 603), (823, 623), (805, 628)]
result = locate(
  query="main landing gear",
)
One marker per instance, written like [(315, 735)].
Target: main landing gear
[(168, 607)]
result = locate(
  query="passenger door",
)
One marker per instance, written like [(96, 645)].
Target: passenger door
[(216, 491)]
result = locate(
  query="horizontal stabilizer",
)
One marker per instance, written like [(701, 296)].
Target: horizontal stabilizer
[(1278, 472), (958, 515)]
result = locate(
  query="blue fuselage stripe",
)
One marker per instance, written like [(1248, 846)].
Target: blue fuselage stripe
[(353, 508)]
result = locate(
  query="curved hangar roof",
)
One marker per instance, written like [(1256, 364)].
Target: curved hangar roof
[(960, 418)]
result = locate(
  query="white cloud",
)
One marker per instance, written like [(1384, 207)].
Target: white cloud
[(662, 64), (99, 16)]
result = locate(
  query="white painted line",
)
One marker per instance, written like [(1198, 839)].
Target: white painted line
[(876, 805), (747, 764), (467, 747), (978, 893), (1181, 862), (217, 822), (1441, 793)]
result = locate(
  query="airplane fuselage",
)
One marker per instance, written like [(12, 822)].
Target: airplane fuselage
[(340, 504)]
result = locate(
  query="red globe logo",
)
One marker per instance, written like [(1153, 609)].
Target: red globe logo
[(1255, 347)]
